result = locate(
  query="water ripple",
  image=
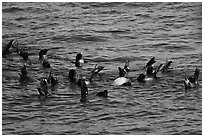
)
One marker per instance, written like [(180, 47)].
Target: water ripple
[(107, 34)]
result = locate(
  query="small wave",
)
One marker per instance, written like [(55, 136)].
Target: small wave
[(44, 25), (68, 4), (124, 58), (110, 12), (12, 10), (189, 132), (106, 118), (166, 17), (140, 129), (105, 4), (39, 8), (13, 118), (81, 38), (160, 44), (113, 31), (100, 59), (179, 48), (142, 15), (21, 19), (118, 59), (149, 114), (141, 4), (119, 31), (177, 109)]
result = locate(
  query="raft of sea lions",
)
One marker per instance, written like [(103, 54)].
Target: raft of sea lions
[(50, 81)]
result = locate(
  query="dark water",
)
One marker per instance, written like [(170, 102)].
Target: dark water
[(108, 34)]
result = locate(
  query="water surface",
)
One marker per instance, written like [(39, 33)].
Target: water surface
[(107, 34)]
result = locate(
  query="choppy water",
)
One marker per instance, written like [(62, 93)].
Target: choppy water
[(108, 34)]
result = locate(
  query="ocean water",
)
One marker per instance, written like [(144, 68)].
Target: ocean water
[(107, 34)]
